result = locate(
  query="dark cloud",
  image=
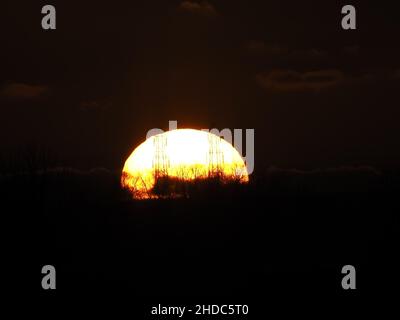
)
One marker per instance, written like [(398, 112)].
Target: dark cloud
[(202, 8), (293, 81), (337, 180), (271, 50), (345, 170), (23, 91)]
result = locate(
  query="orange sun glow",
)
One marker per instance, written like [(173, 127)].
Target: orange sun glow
[(185, 154)]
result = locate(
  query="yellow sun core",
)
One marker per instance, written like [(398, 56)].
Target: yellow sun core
[(186, 154)]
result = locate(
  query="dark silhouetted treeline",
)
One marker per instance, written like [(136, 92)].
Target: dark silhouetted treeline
[(286, 232)]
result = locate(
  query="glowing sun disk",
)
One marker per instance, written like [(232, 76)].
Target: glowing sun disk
[(186, 154)]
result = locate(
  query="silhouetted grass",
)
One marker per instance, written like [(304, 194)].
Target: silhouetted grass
[(219, 239)]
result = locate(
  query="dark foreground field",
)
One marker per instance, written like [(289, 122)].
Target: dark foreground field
[(281, 240)]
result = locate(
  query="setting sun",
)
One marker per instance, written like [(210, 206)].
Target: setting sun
[(185, 154)]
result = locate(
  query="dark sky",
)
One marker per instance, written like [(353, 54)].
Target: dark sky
[(317, 96)]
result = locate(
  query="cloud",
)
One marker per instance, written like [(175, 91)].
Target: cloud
[(270, 50), (293, 81), (337, 180), (203, 8), (23, 91), (338, 171)]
